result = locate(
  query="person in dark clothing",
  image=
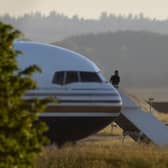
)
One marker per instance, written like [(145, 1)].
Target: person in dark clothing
[(115, 79)]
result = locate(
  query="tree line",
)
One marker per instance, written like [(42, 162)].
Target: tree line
[(56, 26)]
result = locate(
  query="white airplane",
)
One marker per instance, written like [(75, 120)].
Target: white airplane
[(86, 101)]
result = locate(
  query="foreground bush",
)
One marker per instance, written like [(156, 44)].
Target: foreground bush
[(103, 156), (20, 137)]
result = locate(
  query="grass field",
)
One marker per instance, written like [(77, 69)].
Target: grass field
[(103, 154), (115, 131)]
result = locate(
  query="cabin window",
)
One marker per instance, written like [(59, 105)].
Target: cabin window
[(89, 77), (71, 77), (58, 78)]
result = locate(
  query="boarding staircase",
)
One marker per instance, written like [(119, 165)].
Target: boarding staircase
[(139, 125)]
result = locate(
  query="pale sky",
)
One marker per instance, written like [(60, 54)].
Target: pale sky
[(87, 8)]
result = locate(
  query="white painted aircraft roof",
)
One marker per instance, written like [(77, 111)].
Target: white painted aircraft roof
[(51, 58)]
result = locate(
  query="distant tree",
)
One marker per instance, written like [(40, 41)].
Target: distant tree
[(75, 17), (103, 16), (130, 16), (53, 14), (21, 133), (141, 16)]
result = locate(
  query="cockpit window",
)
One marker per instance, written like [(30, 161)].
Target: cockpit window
[(89, 77), (71, 77), (58, 78), (66, 77)]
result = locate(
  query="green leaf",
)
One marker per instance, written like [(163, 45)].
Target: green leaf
[(21, 132)]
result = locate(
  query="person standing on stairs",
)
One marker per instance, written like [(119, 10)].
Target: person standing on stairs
[(115, 79)]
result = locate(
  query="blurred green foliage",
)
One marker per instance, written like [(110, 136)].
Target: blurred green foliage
[(21, 133)]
